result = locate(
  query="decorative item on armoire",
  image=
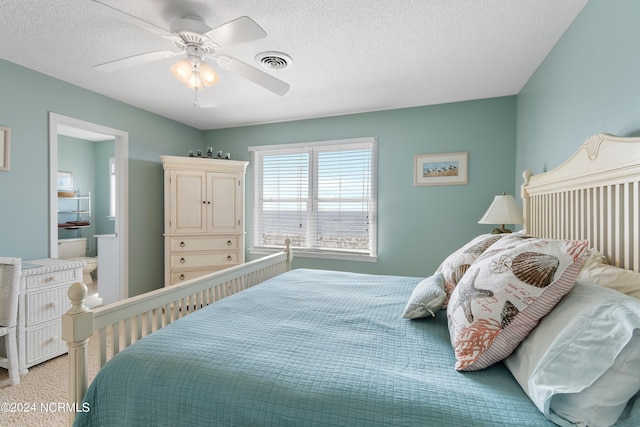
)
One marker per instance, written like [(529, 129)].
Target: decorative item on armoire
[(209, 155)]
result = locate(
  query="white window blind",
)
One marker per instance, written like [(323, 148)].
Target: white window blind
[(321, 195)]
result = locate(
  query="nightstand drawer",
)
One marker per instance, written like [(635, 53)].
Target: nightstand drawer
[(53, 278), (202, 260), (188, 243), (46, 305), (45, 342)]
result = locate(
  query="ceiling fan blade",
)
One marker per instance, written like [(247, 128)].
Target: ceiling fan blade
[(240, 30), (130, 61), (206, 99), (251, 73), (123, 16)]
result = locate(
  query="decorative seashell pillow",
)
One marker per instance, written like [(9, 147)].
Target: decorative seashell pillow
[(506, 292), (456, 264)]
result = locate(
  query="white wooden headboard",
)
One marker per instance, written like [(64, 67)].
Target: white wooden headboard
[(594, 195)]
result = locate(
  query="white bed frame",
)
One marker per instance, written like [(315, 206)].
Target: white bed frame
[(594, 195), (122, 323)]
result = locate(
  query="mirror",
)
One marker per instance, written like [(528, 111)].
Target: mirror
[(88, 200)]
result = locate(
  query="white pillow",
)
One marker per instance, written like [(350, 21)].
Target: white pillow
[(427, 298), (597, 270), (580, 364)]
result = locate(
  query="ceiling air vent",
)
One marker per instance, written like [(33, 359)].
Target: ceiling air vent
[(273, 60)]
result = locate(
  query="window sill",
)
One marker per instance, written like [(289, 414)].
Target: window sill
[(307, 253)]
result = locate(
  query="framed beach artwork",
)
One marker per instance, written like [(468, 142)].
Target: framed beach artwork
[(5, 140), (441, 169)]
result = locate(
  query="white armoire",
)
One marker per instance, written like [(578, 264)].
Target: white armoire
[(203, 216)]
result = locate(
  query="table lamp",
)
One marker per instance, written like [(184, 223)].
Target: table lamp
[(503, 210)]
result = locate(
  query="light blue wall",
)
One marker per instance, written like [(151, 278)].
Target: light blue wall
[(589, 83), (417, 226), (27, 98)]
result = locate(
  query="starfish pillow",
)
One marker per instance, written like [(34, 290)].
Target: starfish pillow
[(505, 293)]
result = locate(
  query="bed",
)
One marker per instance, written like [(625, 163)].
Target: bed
[(261, 344)]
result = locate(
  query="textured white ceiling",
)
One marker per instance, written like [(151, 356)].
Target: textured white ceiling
[(349, 56)]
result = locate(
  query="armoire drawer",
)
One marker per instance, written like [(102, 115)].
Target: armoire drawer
[(203, 259), (208, 243), (178, 276)]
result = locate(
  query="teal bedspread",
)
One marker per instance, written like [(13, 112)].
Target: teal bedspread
[(308, 348)]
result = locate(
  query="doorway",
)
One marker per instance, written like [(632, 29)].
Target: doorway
[(63, 125)]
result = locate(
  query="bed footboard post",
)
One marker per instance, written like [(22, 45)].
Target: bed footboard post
[(287, 249), (77, 327)]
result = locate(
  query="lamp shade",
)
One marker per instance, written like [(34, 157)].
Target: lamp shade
[(503, 210)]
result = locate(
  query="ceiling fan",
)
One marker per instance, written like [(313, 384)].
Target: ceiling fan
[(198, 41)]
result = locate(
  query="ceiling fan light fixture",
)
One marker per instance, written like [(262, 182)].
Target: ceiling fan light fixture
[(193, 71), (195, 81), (208, 75), (182, 70), (200, 76)]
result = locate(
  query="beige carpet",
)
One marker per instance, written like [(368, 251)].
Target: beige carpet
[(44, 386)]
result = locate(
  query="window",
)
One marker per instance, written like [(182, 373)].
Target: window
[(321, 195)]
